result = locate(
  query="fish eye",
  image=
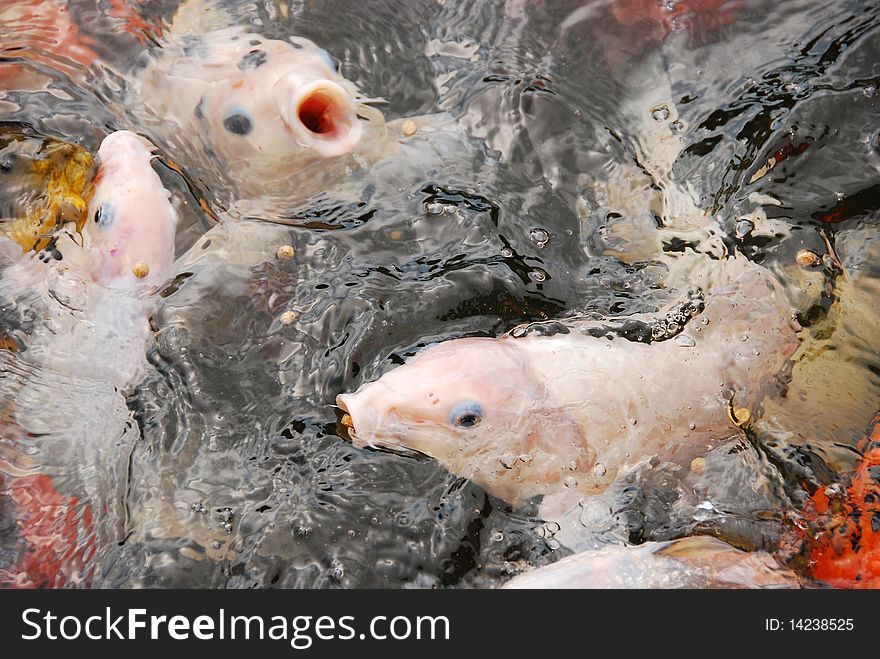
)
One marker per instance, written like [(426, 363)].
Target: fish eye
[(466, 415), (104, 215), (237, 122), (328, 60)]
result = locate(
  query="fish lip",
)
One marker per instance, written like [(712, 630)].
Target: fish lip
[(357, 413), (322, 116), (363, 434)]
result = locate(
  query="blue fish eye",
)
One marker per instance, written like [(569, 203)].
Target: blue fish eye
[(324, 55), (104, 215), (466, 415)]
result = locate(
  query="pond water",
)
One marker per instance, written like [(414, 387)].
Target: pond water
[(541, 196)]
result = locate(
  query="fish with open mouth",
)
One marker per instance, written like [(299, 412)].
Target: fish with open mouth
[(262, 116)]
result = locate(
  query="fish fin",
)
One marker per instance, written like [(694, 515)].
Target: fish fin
[(697, 546)]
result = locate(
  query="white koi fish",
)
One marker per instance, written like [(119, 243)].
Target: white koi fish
[(548, 411)]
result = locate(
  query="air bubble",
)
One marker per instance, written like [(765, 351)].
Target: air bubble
[(539, 236), (570, 482), (538, 276), (704, 511), (506, 252), (743, 228), (660, 113), (337, 570)]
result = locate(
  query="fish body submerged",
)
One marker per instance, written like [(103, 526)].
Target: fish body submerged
[(259, 110), (837, 538), (96, 284), (693, 562), (47, 183), (62, 400), (542, 414)]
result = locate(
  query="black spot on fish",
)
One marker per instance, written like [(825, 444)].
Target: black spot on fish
[(255, 42), (238, 123), (50, 251), (253, 59), (198, 111)]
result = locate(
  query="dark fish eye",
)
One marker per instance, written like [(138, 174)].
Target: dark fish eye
[(466, 415), (237, 122), (104, 215)]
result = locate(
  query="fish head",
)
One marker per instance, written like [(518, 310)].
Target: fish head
[(476, 406), (279, 100), (129, 231)]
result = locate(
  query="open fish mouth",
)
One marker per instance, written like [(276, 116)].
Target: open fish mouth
[(322, 116)]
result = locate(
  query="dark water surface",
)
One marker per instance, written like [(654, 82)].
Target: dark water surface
[(227, 466)]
